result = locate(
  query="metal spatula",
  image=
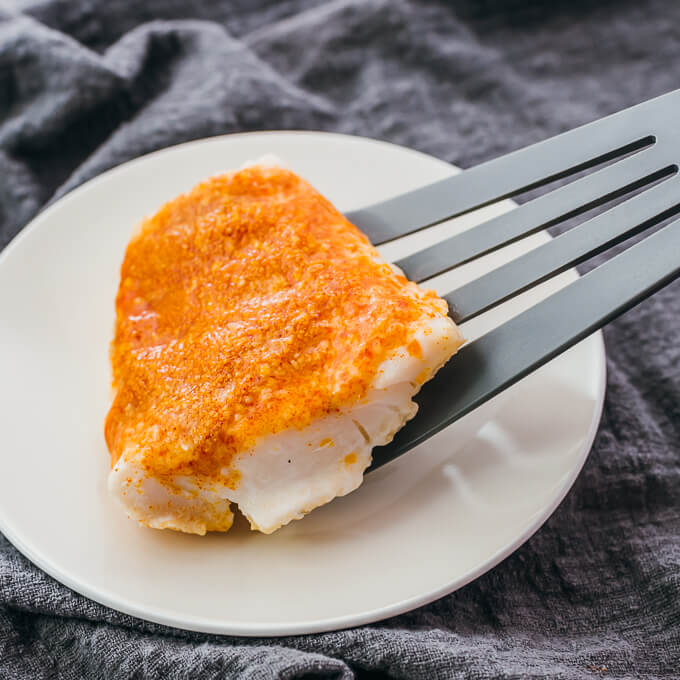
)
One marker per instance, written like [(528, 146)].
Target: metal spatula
[(644, 143)]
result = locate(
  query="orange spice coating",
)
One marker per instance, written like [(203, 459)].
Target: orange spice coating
[(247, 306)]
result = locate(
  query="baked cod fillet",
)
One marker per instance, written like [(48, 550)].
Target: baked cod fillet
[(262, 348)]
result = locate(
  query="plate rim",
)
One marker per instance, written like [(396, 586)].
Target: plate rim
[(30, 226), (203, 625)]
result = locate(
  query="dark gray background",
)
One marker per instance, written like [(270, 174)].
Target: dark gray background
[(87, 85)]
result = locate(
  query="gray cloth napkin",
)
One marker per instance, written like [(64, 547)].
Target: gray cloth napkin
[(88, 84)]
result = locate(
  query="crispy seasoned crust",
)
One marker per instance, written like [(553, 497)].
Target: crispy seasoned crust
[(248, 306)]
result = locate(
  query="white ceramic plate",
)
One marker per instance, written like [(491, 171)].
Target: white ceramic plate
[(417, 529)]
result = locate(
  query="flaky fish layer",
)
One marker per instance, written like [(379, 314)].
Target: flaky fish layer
[(262, 348)]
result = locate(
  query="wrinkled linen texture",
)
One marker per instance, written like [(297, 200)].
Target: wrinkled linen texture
[(88, 84)]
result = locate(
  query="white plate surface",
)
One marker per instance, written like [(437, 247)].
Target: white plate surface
[(416, 530)]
